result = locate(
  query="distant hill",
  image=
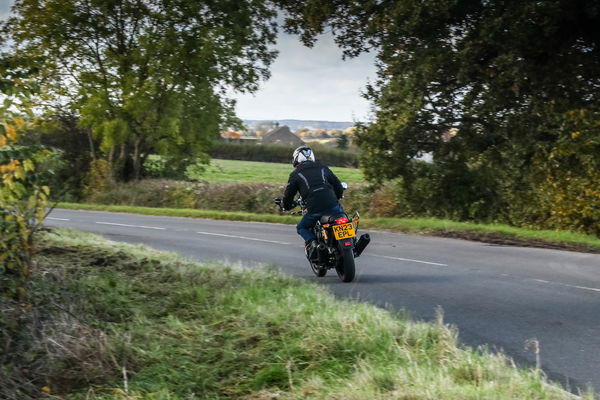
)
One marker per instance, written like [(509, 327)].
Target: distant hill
[(296, 124)]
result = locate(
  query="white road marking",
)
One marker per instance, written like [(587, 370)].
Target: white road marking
[(132, 226), (567, 285), (410, 260), (242, 237), (58, 219)]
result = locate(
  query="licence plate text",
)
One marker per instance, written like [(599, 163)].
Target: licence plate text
[(344, 231)]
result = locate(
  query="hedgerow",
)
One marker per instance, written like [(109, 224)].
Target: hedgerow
[(281, 154)]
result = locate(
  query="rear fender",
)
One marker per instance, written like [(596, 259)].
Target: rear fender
[(345, 244)]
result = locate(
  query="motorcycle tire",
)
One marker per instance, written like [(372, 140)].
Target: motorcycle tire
[(345, 267), (317, 269)]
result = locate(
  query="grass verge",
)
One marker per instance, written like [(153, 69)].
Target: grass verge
[(126, 322), (493, 233)]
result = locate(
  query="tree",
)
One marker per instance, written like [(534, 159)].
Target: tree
[(342, 142), (145, 76), (506, 76)]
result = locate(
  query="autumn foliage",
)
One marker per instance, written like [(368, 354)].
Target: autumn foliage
[(23, 203)]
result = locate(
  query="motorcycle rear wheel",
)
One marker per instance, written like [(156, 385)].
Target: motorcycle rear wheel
[(345, 266)]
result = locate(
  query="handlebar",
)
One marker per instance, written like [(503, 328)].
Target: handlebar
[(295, 203)]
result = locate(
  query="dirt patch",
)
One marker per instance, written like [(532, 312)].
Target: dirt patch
[(506, 240)]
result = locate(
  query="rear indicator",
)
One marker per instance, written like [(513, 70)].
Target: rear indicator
[(340, 221)]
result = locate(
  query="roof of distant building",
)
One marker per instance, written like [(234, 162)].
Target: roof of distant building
[(282, 135)]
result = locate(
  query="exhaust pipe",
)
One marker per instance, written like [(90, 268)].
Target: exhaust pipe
[(361, 244), (322, 254)]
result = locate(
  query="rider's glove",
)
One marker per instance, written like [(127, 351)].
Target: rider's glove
[(279, 202)]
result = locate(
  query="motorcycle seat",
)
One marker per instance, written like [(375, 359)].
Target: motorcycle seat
[(329, 219)]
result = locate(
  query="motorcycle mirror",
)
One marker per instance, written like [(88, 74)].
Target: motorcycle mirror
[(344, 185)]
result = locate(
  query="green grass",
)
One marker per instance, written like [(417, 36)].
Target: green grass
[(185, 212), (183, 330), (491, 232), (221, 171)]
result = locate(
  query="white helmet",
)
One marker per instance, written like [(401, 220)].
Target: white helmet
[(302, 154)]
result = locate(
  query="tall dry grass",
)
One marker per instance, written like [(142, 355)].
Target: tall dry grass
[(132, 323)]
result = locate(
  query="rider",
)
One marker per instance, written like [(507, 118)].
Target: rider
[(319, 188)]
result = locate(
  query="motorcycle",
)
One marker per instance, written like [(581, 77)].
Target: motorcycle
[(337, 246)]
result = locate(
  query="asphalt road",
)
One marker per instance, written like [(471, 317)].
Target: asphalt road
[(502, 297)]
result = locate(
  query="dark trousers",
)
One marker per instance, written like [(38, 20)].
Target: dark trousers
[(308, 221)]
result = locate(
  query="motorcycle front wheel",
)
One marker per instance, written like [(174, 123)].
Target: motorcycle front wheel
[(345, 267)]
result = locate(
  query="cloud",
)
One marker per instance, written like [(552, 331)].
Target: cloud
[(311, 83)]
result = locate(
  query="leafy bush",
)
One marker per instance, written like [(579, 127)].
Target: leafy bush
[(97, 179), (570, 192), (23, 201), (157, 167), (77, 146)]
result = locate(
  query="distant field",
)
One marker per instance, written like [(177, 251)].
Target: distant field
[(252, 171)]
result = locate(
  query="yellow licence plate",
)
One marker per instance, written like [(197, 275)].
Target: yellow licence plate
[(344, 231)]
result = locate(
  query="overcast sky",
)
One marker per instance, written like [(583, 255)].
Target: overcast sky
[(5, 8), (312, 84), (305, 83)]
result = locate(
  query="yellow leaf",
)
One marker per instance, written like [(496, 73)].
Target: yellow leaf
[(19, 122), (28, 165), (45, 389), (20, 173), (11, 132), (2, 140)]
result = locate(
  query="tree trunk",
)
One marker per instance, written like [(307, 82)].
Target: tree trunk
[(91, 143), (143, 158), (137, 159), (125, 167)]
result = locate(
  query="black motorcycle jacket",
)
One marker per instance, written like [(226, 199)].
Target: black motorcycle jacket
[(318, 186)]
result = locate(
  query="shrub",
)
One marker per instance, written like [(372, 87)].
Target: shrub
[(77, 146), (23, 203), (253, 197), (157, 167), (97, 179), (570, 191), (389, 200), (383, 200)]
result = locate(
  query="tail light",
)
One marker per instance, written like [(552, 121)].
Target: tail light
[(340, 221)]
